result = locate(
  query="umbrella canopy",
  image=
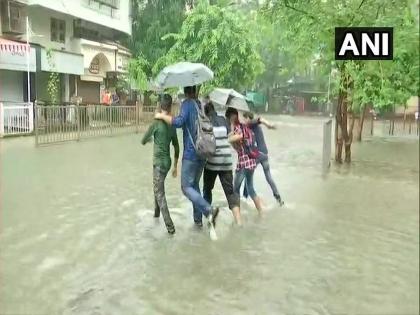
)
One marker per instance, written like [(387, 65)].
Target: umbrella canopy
[(152, 86), (229, 98), (183, 74), (239, 104)]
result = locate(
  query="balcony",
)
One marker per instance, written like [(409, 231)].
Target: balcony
[(114, 4), (112, 14)]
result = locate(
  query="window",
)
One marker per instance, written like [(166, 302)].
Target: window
[(15, 12), (58, 30), (105, 7), (15, 17), (115, 4), (84, 29)]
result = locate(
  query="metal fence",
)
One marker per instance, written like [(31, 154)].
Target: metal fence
[(399, 126), (389, 125), (147, 114), (16, 118), (61, 123)]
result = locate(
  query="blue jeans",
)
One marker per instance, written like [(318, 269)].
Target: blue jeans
[(266, 168), (263, 160), (248, 176), (191, 172)]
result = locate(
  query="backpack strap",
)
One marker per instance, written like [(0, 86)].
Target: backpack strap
[(191, 138), (198, 108), (188, 129)]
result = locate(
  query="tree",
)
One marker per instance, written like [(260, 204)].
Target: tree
[(152, 19), (279, 64), (308, 29), (276, 66), (221, 39)]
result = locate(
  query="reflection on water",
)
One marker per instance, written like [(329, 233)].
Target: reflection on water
[(78, 237)]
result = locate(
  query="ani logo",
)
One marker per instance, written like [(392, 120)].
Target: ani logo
[(364, 43)]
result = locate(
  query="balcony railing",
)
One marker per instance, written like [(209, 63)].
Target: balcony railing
[(115, 4)]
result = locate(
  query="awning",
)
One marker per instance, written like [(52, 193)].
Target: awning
[(12, 46), (91, 78), (62, 62), (13, 56)]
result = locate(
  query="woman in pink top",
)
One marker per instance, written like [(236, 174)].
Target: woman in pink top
[(240, 138)]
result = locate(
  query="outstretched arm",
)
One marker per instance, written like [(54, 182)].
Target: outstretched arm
[(266, 123), (166, 118), (177, 121)]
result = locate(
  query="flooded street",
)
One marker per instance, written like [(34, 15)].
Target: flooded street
[(77, 233)]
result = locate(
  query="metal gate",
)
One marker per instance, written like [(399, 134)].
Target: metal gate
[(61, 123), (16, 118)]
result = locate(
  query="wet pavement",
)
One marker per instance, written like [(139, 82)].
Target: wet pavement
[(77, 233)]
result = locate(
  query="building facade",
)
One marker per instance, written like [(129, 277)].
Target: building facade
[(78, 39)]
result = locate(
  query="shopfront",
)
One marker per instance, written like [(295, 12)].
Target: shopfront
[(14, 61), (69, 66), (98, 59)]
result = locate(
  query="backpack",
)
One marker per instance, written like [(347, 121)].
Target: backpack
[(205, 144), (249, 144)]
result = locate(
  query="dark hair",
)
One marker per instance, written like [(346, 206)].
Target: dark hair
[(189, 91), (231, 111), (248, 115), (209, 108), (166, 102)]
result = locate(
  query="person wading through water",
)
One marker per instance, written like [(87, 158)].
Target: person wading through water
[(163, 135), (255, 126), (192, 163), (242, 140), (220, 165)]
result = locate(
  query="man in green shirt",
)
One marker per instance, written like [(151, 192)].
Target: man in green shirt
[(163, 135)]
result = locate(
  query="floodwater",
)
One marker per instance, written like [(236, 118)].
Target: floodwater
[(77, 234)]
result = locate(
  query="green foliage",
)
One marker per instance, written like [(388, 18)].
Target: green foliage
[(279, 66), (53, 83), (153, 99), (152, 19), (122, 85), (222, 40), (138, 70), (307, 29), (247, 43), (415, 9)]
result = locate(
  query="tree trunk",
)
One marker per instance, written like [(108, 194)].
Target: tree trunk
[(405, 117), (342, 134), (347, 149), (346, 138), (146, 98), (349, 141), (338, 143), (361, 122), (338, 131), (123, 99)]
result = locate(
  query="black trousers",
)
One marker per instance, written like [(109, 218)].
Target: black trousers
[(226, 179)]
